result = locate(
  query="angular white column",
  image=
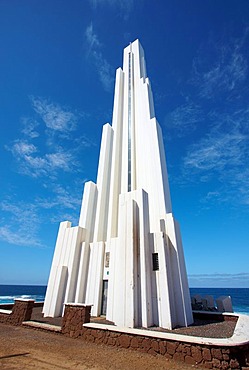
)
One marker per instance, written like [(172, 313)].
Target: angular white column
[(87, 221), (180, 282), (125, 312), (164, 284), (115, 180), (64, 271), (95, 277), (144, 258), (54, 286), (103, 184)]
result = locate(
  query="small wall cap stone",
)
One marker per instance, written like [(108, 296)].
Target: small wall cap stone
[(78, 304)]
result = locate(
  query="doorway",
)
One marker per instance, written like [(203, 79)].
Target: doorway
[(104, 297)]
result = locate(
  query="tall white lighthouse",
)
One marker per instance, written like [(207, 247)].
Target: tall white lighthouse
[(125, 258)]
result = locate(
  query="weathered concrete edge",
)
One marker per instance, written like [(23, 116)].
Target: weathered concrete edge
[(240, 336), (43, 326), (6, 312)]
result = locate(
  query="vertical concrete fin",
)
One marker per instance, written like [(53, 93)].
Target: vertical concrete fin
[(115, 180), (52, 287), (103, 184), (88, 209)]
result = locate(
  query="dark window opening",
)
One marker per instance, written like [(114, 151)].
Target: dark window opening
[(107, 259), (155, 261)]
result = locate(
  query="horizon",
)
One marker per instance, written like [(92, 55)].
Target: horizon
[(190, 287), (57, 87)]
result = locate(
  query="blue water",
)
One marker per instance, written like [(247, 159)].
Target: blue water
[(9, 292), (240, 296)]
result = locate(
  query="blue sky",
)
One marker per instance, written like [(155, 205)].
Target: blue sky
[(57, 67)]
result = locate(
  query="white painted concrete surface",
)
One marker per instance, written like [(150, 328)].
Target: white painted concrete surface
[(127, 213)]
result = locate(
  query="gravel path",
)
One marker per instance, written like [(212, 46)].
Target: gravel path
[(200, 328)]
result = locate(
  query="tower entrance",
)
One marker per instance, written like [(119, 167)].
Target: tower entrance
[(104, 298)]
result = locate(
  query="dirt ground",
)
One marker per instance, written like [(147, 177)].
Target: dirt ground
[(24, 348)]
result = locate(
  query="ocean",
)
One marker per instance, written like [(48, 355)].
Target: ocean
[(9, 292), (240, 296)]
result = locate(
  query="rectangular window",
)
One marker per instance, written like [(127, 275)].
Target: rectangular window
[(107, 259), (155, 261)]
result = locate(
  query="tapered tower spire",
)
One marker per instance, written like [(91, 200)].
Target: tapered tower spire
[(125, 257)]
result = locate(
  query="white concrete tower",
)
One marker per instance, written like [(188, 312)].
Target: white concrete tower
[(125, 257)]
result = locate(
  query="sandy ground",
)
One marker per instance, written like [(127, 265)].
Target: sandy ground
[(24, 348)]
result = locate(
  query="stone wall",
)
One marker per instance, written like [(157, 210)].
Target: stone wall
[(21, 311), (75, 315), (207, 356)]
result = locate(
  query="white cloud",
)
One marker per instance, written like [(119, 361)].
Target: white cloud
[(48, 164), (64, 204), (222, 70), (62, 198), (241, 181), (38, 164), (23, 224), (19, 237), (22, 148), (219, 280), (29, 127), (20, 221), (34, 165), (241, 275), (211, 195), (222, 155), (54, 116), (184, 119), (53, 152), (216, 152), (125, 6), (84, 141), (104, 69), (91, 38), (60, 160)]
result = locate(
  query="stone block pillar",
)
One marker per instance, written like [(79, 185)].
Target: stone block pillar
[(75, 315), (22, 311)]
